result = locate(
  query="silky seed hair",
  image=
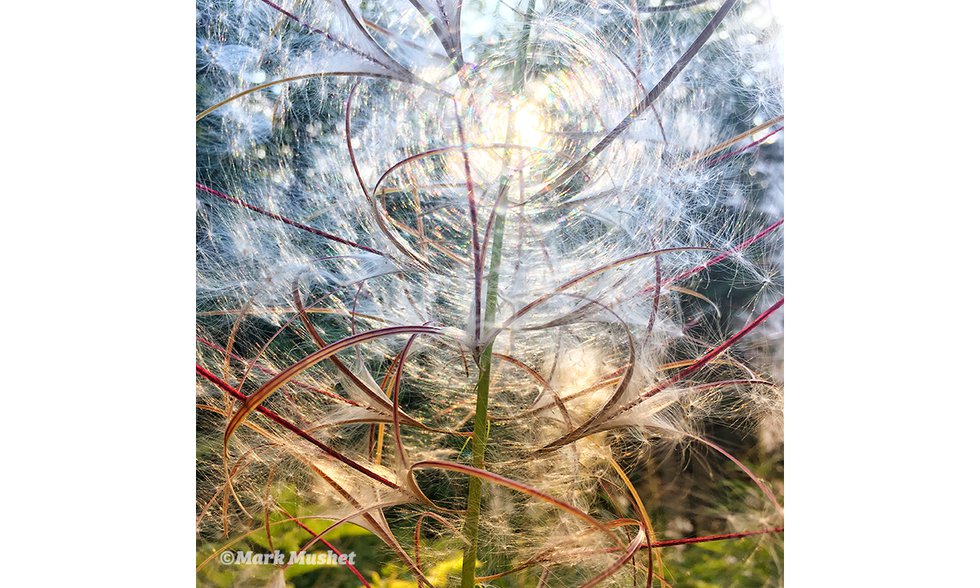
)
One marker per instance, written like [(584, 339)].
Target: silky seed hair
[(353, 160)]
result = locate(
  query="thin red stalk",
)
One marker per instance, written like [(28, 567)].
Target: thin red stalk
[(604, 382), (722, 256), (267, 371), (671, 7), (350, 146), (593, 272), (298, 301), (705, 358), (395, 425), (300, 314), (651, 536), (493, 217), (638, 507), (330, 37), (584, 430), (401, 40), (723, 383), (634, 546), (546, 387), (399, 72), (652, 96), (706, 538), (350, 566), (275, 417), (311, 329), (265, 514), (449, 149), (611, 402), (283, 219), (544, 577), (369, 197), (658, 284), (449, 37), (282, 329), (418, 535), (756, 479), (305, 318), (474, 226), (231, 336), (380, 529), (362, 511), (722, 158), (353, 308), (514, 485)]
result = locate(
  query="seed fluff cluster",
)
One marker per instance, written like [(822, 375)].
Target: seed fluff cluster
[(470, 274)]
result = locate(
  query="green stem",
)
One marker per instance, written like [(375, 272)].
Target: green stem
[(481, 421)]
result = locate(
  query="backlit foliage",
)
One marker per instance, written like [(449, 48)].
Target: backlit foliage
[(587, 195)]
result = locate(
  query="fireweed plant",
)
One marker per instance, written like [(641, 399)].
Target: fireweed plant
[(468, 272)]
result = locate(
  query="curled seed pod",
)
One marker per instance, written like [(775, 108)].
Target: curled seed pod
[(474, 277)]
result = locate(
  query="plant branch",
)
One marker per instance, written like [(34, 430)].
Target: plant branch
[(481, 423)]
